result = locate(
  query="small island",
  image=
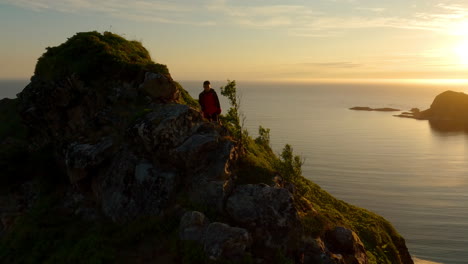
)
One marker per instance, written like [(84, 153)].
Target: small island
[(448, 112), (366, 108)]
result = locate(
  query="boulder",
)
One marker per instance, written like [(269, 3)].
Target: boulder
[(345, 242), (80, 158), (206, 155), (313, 251), (196, 148), (316, 250), (160, 88), (165, 127), (133, 188), (192, 226), (268, 212), (219, 240), (222, 240), (210, 194)]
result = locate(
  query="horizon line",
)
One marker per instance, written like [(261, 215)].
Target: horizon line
[(435, 81)]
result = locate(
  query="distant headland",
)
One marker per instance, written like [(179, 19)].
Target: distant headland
[(448, 112)]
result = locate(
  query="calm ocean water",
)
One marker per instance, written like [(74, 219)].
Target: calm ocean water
[(9, 88), (412, 174)]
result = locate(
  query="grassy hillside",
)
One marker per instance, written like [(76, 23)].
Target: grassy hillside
[(92, 54), (319, 210)]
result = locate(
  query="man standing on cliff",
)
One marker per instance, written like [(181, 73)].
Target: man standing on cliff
[(209, 102)]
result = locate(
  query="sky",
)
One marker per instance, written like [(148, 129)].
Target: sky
[(256, 40)]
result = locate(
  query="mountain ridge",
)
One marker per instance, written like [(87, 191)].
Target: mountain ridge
[(117, 164)]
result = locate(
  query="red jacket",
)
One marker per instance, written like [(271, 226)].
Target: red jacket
[(209, 102)]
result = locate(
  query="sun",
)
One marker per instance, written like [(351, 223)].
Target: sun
[(461, 52)]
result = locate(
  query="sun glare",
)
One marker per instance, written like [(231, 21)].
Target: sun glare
[(459, 29), (461, 52)]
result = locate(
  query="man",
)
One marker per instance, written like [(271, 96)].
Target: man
[(209, 102)]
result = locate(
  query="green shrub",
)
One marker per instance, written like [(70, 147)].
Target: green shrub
[(234, 119), (263, 137), (289, 165)]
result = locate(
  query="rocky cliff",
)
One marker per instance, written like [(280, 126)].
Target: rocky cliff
[(110, 160)]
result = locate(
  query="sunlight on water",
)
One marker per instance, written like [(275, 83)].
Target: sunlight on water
[(421, 261)]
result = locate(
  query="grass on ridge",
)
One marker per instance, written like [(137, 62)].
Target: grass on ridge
[(320, 211), (92, 55)]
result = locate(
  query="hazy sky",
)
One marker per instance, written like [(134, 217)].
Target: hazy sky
[(255, 39)]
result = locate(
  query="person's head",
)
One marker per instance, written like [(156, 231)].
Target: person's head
[(206, 85)]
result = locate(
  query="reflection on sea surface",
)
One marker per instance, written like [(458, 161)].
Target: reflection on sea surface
[(444, 128), (422, 261)]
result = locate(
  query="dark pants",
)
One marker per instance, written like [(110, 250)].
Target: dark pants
[(212, 117)]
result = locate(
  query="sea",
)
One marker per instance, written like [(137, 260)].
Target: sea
[(413, 174)]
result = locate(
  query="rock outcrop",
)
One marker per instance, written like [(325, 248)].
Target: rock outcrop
[(269, 211), (131, 164), (159, 88), (218, 239), (128, 149), (346, 243)]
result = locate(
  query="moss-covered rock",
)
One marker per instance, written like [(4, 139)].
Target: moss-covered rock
[(92, 55), (94, 85)]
